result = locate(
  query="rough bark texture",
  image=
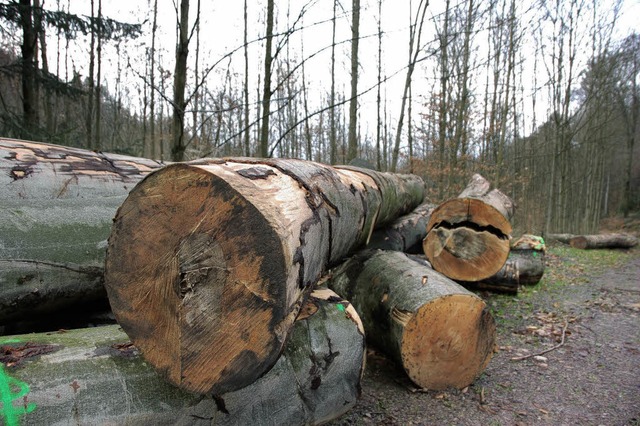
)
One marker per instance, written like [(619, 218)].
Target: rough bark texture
[(524, 266), (405, 233), (563, 238), (441, 334), (468, 236), (209, 262), (603, 241), (96, 376), (57, 209)]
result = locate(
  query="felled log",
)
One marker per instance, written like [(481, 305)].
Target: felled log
[(57, 209), (441, 334), (601, 241), (96, 376), (209, 262), (404, 234), (468, 236), (524, 266), (563, 238)]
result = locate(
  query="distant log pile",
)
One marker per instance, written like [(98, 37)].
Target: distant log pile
[(602, 241)]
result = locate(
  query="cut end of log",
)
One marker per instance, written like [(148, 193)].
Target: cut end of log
[(202, 286), (448, 342), (465, 254)]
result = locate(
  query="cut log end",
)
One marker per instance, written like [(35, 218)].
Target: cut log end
[(448, 342), (465, 254), (188, 275)]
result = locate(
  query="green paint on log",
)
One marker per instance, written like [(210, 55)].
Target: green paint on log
[(11, 390)]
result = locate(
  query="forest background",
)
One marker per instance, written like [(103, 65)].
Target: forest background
[(541, 96)]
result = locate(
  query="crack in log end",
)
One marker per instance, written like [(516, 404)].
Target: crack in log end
[(20, 172), (220, 404), (486, 342), (401, 316), (254, 173), (13, 354), (473, 226)]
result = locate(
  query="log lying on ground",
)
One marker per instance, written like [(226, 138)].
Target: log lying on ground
[(600, 241), (563, 238), (209, 262), (524, 266), (468, 236), (57, 209), (441, 334), (95, 376), (404, 234)]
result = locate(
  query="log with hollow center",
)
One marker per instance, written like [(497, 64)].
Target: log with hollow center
[(209, 262), (441, 334), (468, 236)]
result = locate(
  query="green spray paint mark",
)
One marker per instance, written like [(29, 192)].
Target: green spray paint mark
[(340, 307), (10, 341), (10, 390)]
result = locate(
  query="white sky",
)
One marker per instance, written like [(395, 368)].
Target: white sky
[(222, 31)]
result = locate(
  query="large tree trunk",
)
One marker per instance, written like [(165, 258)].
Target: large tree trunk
[(603, 241), (441, 334), (563, 238), (58, 204), (209, 262), (468, 236), (405, 233), (96, 376)]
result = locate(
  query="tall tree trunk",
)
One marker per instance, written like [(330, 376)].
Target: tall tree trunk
[(155, 141), (378, 98), (98, 99), (246, 134), (353, 101), (179, 83), (333, 137), (30, 117), (266, 92)]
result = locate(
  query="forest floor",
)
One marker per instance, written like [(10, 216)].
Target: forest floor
[(592, 377)]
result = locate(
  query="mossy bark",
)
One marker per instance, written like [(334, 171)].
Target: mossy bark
[(96, 376), (440, 333), (58, 204)]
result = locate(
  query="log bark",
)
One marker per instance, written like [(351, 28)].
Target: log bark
[(601, 241), (468, 236), (441, 334), (404, 234), (96, 376), (563, 238), (209, 262), (57, 209), (524, 266)]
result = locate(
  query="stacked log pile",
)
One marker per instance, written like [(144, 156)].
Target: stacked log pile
[(212, 270)]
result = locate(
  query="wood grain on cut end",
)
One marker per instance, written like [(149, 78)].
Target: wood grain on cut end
[(194, 275), (448, 342), (469, 210), (464, 253)]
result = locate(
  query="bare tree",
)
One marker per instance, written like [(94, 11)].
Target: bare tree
[(266, 91), (353, 101), (179, 82)]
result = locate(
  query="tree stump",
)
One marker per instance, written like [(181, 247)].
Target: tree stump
[(209, 262), (468, 236), (441, 334), (58, 204), (96, 376)]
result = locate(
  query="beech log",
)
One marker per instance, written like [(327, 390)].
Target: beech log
[(601, 241), (563, 238), (58, 204), (468, 236), (440, 333), (404, 234), (96, 376), (209, 262)]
